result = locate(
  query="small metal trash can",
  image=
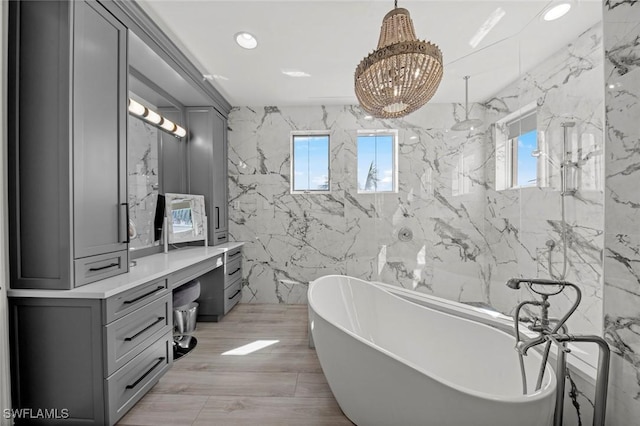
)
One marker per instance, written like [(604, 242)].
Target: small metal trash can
[(184, 318)]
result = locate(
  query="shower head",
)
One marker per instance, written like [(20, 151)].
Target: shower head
[(466, 124)]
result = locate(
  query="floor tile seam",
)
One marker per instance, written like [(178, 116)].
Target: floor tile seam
[(195, 419), (295, 389)]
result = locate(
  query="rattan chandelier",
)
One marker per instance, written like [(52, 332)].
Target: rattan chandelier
[(402, 74)]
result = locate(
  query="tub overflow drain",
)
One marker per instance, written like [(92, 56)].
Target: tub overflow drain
[(405, 234)]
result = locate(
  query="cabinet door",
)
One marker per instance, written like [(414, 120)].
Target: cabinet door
[(207, 153), (171, 152), (200, 152), (38, 144), (220, 202), (57, 350), (99, 131)]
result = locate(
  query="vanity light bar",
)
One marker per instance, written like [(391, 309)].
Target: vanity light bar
[(153, 117)]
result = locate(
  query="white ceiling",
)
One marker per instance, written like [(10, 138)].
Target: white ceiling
[(327, 39)]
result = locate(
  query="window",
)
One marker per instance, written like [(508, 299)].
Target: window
[(309, 162), (377, 159), (523, 139), (517, 151)]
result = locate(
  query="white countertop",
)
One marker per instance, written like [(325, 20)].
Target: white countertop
[(147, 269)]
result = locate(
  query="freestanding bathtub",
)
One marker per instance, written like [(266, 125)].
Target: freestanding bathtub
[(389, 361)]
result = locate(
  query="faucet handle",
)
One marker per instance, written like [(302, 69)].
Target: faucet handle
[(562, 346)]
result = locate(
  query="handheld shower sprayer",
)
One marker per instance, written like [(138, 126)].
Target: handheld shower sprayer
[(514, 283)]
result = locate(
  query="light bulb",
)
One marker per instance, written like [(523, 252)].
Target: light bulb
[(136, 107), (168, 125), (180, 132), (152, 117)]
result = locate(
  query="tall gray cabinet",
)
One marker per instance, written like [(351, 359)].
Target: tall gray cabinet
[(207, 154), (67, 144)]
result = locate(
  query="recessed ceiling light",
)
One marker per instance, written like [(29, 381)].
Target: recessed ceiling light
[(246, 40), (556, 11), (295, 73)]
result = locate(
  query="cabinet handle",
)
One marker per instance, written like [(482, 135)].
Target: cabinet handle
[(124, 223), (111, 265), (235, 272), (141, 378), (235, 294), (222, 237), (128, 339), (218, 218), (128, 302), (234, 254)]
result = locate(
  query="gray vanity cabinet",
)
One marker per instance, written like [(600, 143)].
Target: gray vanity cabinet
[(221, 289), (207, 153), (67, 144), (90, 357)]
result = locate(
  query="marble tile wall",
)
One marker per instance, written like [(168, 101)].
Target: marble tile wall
[(524, 227), (468, 239), (622, 207), (293, 239), (142, 158)]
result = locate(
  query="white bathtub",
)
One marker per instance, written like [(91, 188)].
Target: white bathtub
[(391, 362)]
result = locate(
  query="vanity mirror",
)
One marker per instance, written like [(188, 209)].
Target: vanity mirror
[(185, 218), (156, 158)]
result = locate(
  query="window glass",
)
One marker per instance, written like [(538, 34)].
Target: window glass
[(527, 145), (376, 162), (518, 150), (310, 163)]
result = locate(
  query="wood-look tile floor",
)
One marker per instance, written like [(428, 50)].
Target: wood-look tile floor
[(281, 384)]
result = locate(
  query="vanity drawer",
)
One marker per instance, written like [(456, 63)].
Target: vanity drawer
[(232, 295), (233, 254), (130, 300), (220, 238), (94, 268), (131, 334), (232, 271), (131, 382), (187, 274)]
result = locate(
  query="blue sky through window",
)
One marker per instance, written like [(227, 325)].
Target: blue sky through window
[(375, 163), (311, 163), (527, 164)]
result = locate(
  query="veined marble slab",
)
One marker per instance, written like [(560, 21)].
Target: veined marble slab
[(622, 207)]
